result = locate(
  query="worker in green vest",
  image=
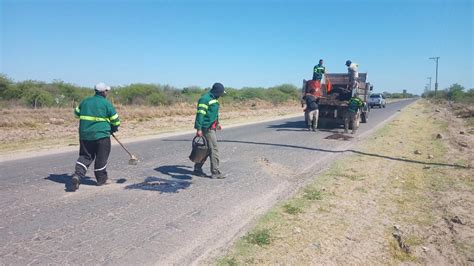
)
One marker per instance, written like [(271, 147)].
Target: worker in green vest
[(97, 120), (206, 124), (353, 114), (318, 71)]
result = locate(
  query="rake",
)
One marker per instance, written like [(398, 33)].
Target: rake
[(133, 159)]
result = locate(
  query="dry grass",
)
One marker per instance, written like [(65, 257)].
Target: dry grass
[(358, 208), (22, 128)]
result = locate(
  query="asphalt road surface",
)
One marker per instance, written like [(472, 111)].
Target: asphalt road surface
[(157, 211)]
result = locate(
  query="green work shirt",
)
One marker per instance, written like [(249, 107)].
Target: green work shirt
[(318, 72), (207, 111), (96, 115)]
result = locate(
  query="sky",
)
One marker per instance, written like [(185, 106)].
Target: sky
[(240, 43)]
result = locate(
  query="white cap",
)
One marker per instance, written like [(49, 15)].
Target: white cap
[(101, 86)]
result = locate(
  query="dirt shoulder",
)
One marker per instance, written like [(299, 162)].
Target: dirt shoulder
[(28, 132), (404, 194)]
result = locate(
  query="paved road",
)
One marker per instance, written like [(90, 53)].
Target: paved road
[(157, 212)]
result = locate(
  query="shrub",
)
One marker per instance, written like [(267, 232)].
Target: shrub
[(455, 92), (251, 93), (156, 98), (36, 97)]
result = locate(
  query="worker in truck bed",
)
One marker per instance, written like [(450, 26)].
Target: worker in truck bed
[(352, 70), (318, 71), (353, 113)]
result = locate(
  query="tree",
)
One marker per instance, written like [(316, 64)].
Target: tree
[(455, 92)]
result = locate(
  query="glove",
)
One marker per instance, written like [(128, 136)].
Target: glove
[(113, 129)]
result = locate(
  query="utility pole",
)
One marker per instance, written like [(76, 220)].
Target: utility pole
[(436, 82), (429, 88)]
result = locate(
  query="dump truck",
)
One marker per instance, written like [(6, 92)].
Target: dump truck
[(334, 98)]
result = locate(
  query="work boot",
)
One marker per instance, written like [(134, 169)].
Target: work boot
[(198, 172), (309, 128), (218, 175), (75, 180), (101, 181)]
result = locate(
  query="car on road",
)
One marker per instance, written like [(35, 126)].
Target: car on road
[(377, 99)]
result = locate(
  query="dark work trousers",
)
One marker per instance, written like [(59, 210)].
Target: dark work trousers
[(89, 151)]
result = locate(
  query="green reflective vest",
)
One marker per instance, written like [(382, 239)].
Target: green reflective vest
[(96, 115), (354, 104), (318, 72), (207, 111)]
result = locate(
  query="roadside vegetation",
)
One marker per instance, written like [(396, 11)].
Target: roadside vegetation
[(38, 115), (459, 99), (37, 94), (398, 95), (404, 195), (455, 93)]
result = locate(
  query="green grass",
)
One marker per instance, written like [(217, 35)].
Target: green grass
[(227, 261), (311, 193), (260, 237), (273, 217), (292, 209)]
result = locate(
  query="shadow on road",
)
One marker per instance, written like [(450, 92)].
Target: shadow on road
[(66, 180), (350, 150), (300, 124), (161, 185), (176, 171), (335, 131)]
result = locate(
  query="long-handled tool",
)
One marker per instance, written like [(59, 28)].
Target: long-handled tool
[(133, 159)]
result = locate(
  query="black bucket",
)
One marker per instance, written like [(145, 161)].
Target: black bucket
[(200, 150)]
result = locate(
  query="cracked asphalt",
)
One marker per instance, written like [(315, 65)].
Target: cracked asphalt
[(157, 212)]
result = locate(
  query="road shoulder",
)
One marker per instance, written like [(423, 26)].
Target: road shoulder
[(405, 194), (49, 149)]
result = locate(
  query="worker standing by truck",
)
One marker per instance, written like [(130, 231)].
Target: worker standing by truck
[(352, 70), (352, 115), (311, 112), (206, 124), (97, 120)]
